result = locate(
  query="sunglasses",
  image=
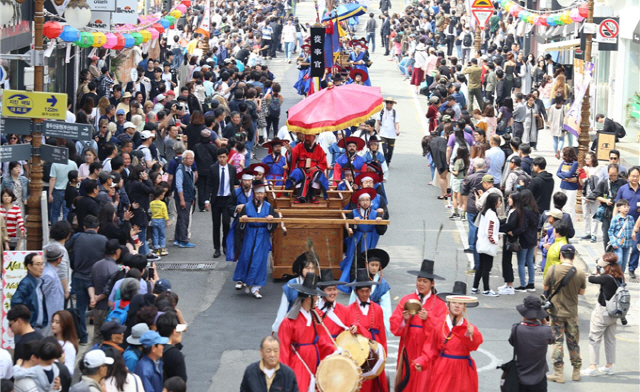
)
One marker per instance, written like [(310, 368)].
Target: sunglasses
[(613, 158), (13, 138)]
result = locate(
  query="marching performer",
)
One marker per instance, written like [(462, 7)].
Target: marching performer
[(451, 344), (334, 314), (304, 65), (243, 195), (374, 154), (260, 170), (372, 180), (300, 345), (308, 163), (359, 76), (369, 316), (414, 330), (351, 145), (276, 162), (359, 59), (251, 269)]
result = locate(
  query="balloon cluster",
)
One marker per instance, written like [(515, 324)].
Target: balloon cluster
[(115, 40), (577, 14)]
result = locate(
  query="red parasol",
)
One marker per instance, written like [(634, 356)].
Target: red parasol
[(334, 108)]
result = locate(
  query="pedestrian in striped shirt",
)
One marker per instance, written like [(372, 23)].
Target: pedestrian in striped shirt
[(12, 216)]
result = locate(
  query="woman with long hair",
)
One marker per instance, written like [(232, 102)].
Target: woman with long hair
[(18, 183), (530, 125), (512, 227), (109, 228), (90, 156), (528, 242), (509, 77), (545, 90), (560, 87), (100, 110), (609, 276), (195, 126), (588, 178), (119, 378), (13, 219), (459, 171), (139, 188), (63, 328), (489, 116), (569, 184), (505, 116), (487, 245)]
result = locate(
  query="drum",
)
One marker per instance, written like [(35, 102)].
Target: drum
[(357, 346), (374, 365), (338, 373)]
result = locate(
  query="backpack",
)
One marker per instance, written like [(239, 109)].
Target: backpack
[(618, 305), (274, 107), (523, 180), (86, 146), (118, 314), (467, 40), (100, 90)]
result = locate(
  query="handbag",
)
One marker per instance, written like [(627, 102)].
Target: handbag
[(509, 381), (514, 246)]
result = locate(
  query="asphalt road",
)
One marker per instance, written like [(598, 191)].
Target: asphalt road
[(226, 326)]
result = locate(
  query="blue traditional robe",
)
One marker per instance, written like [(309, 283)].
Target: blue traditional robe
[(358, 165), (304, 79), (232, 238), (252, 263), (357, 57), (276, 169), (363, 245)]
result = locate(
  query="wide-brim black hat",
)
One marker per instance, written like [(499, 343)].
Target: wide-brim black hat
[(459, 288), (426, 271), (362, 279), (374, 254), (531, 308), (309, 286), (327, 279)]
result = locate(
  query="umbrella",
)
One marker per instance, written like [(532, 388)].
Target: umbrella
[(334, 108), (345, 11)]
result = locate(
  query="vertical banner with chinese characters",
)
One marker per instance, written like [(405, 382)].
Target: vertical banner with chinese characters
[(583, 73), (317, 52)]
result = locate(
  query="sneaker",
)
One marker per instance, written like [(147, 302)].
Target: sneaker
[(152, 257), (606, 370), (468, 250), (586, 237), (504, 286), (474, 291), (83, 343), (257, 295), (454, 216), (187, 245), (531, 288), (593, 239), (239, 286), (588, 372), (521, 289), (164, 252), (632, 274), (507, 291), (489, 293)]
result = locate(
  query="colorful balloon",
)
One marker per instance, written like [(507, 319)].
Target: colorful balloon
[(121, 42), (85, 41), (182, 8), (165, 23), (583, 10), (146, 36), (170, 19), (176, 13), (70, 34), (52, 29), (575, 15), (99, 39), (187, 3), (543, 20), (111, 42), (551, 21), (137, 38), (154, 33), (508, 7), (159, 27), (565, 18), (129, 41)]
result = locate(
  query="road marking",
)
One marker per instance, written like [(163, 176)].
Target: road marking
[(421, 115), (495, 361)]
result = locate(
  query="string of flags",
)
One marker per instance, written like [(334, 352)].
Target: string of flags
[(541, 18)]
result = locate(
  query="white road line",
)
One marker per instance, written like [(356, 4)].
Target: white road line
[(421, 115), (495, 361)]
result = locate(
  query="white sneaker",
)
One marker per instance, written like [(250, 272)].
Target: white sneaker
[(504, 286), (508, 290), (490, 293), (239, 286), (588, 372), (606, 370), (247, 289), (474, 291)]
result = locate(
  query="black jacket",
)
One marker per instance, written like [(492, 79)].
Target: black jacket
[(529, 236), (206, 155), (542, 188), (139, 192), (173, 363), (87, 205), (213, 182), (254, 380)]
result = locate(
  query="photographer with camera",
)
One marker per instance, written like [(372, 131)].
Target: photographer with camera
[(609, 276), (562, 286)]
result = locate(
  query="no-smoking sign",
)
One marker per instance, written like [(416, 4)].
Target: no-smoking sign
[(608, 31)]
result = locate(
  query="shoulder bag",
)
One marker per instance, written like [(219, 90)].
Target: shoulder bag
[(509, 381), (546, 303)]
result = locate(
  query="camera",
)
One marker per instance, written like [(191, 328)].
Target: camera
[(546, 304)]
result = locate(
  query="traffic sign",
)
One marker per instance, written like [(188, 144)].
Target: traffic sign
[(29, 104), (482, 16), (15, 152), (68, 130), (18, 126), (54, 154), (482, 4), (3, 74), (608, 31)]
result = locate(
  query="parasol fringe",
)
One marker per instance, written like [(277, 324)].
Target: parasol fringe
[(334, 128)]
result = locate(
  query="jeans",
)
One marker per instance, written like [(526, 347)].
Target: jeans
[(633, 259), (558, 142), (623, 257), (473, 238), (299, 39), (248, 146), (142, 236), (466, 56), (81, 288), (288, 49), (57, 205), (159, 230), (371, 41), (525, 257), (459, 53)]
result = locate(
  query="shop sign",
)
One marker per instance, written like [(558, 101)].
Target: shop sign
[(126, 12), (102, 5)]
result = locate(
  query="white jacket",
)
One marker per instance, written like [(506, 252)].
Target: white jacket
[(488, 234)]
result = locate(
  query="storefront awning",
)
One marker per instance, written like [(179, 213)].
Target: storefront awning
[(561, 46)]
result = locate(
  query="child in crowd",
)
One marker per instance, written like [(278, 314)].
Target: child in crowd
[(459, 171), (620, 233), (560, 231), (160, 221), (547, 234)]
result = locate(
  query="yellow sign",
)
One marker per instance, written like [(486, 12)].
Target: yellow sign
[(482, 4), (31, 104)]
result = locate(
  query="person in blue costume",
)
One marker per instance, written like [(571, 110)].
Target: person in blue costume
[(351, 145), (335, 151), (251, 270), (364, 237), (276, 161), (359, 59), (373, 154), (374, 261), (348, 178), (368, 180), (243, 195), (260, 170), (304, 264), (304, 65), (374, 167), (358, 76)]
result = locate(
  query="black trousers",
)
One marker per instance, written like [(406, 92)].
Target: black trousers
[(201, 184), (486, 263), (450, 41), (605, 232), (220, 215), (265, 52), (272, 123), (539, 387), (385, 44), (387, 147), (507, 268)]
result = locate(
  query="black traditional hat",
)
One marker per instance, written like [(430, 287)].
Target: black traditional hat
[(426, 271), (327, 279), (374, 254), (459, 289), (362, 279), (309, 286)]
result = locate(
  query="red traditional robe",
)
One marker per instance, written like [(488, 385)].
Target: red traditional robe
[(341, 312), (317, 157), (372, 328), (413, 336), (450, 354), (307, 342)]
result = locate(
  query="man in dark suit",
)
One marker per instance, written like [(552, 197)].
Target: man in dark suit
[(219, 195), (385, 31)]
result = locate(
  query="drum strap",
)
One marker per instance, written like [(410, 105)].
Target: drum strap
[(313, 378), (334, 317)]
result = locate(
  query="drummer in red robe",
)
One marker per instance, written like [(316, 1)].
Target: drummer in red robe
[(369, 316), (415, 330), (300, 345), (308, 163), (450, 346), (334, 315)]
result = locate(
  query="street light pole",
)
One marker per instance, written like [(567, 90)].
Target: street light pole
[(585, 123)]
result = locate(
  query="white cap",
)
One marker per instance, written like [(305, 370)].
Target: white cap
[(259, 169), (362, 196), (160, 97), (96, 358), (247, 176), (259, 189), (366, 178), (128, 124), (146, 135)]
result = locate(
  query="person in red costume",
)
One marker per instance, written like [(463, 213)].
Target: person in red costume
[(415, 330), (334, 315), (300, 345), (368, 315), (308, 163), (449, 349)]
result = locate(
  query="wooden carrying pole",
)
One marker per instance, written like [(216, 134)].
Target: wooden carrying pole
[(316, 221)]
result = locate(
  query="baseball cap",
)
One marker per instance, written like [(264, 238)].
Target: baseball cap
[(568, 249), (52, 253), (112, 327), (555, 213), (487, 178), (516, 160), (161, 286), (136, 332), (170, 92), (205, 133), (120, 111), (128, 124), (104, 177), (151, 338), (160, 97), (96, 358), (146, 135)]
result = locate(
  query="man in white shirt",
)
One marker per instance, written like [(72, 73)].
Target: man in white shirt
[(218, 191), (388, 127)]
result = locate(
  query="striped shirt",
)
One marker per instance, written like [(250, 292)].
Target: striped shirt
[(13, 220)]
